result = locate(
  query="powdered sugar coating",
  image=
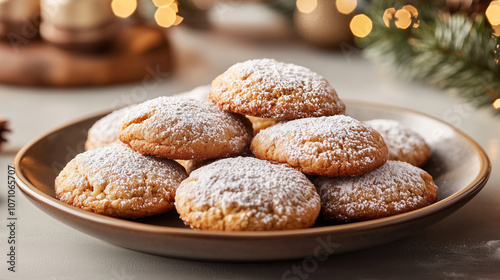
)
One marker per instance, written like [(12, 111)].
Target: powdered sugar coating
[(404, 144), (259, 124), (329, 146), (116, 181), (246, 193), (396, 187), (185, 128), (267, 88), (105, 131)]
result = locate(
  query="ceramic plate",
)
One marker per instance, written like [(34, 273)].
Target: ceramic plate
[(459, 166)]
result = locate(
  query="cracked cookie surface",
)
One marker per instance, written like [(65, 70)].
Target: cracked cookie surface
[(185, 128), (117, 181), (404, 144), (105, 130), (267, 88), (328, 146), (247, 194), (394, 188)]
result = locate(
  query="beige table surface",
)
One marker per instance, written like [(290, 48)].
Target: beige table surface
[(466, 245)]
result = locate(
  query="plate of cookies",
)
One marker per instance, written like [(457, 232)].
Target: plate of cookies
[(266, 163)]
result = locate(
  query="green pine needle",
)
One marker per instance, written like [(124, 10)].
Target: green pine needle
[(451, 52)]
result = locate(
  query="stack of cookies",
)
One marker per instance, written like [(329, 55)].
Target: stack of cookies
[(266, 147)]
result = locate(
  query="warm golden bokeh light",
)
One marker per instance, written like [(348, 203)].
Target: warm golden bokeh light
[(160, 3), (493, 13), (178, 20), (388, 16), (403, 19), (306, 6), (165, 16), (123, 8), (346, 6), (361, 25), (496, 104), (413, 11), (174, 7), (496, 30)]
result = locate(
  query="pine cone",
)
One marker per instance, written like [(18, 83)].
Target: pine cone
[(4, 127), (468, 7)]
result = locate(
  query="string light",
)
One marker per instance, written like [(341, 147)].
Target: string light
[(493, 13), (412, 10), (306, 6), (388, 16), (496, 104), (403, 18), (361, 25), (160, 3), (165, 15), (346, 6), (123, 8)]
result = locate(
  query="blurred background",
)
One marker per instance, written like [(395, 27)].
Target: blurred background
[(63, 60), (97, 55)]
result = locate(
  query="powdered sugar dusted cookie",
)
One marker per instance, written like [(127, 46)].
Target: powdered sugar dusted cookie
[(185, 128), (267, 88), (247, 194), (193, 164), (404, 144), (328, 146), (259, 124), (116, 181), (105, 131), (396, 187)]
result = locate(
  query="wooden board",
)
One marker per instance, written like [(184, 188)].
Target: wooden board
[(139, 52)]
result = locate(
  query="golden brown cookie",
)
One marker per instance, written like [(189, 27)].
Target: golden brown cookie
[(404, 144), (247, 194), (327, 146), (394, 188), (105, 131), (193, 164), (201, 93), (267, 88), (259, 124), (184, 128), (116, 181)]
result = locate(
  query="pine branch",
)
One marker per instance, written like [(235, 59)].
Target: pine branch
[(451, 52)]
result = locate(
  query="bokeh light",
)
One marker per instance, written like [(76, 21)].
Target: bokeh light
[(123, 8), (493, 13), (496, 104), (388, 16), (306, 6), (159, 3), (496, 30), (403, 19), (178, 20), (413, 11), (346, 6), (165, 16), (361, 25)]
